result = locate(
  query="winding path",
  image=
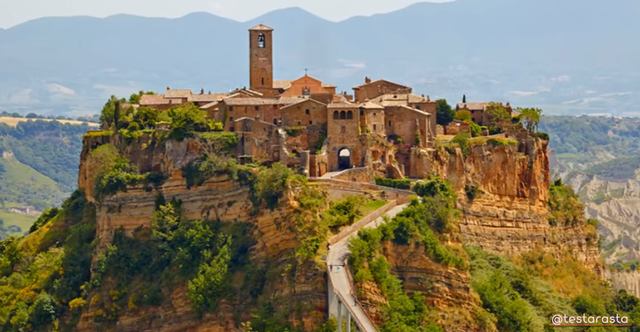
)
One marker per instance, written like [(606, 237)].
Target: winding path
[(340, 288)]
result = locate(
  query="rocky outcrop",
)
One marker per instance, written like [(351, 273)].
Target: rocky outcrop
[(503, 192), (446, 289), (219, 198)]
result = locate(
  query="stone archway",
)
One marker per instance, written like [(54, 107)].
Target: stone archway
[(344, 159)]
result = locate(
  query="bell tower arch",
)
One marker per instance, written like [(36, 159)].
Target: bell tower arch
[(260, 57)]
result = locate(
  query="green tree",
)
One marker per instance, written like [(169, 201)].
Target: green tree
[(108, 111), (186, 120), (210, 285), (272, 182), (464, 98), (444, 114), (463, 115), (498, 117), (531, 118), (146, 117)]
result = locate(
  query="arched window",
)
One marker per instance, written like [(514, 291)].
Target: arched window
[(336, 115), (261, 41), (262, 81), (343, 115), (349, 115)]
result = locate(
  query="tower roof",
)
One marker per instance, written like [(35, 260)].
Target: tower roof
[(261, 27)]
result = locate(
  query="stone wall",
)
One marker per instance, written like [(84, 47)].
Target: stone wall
[(361, 174)]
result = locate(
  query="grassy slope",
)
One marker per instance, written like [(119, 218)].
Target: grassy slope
[(18, 182)]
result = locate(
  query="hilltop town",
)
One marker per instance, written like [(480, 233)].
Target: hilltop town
[(308, 123)]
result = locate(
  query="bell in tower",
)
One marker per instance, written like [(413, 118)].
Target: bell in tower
[(261, 41)]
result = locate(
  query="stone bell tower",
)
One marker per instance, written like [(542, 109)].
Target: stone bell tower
[(260, 58)]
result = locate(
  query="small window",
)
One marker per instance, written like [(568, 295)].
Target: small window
[(230, 108), (275, 122), (374, 114), (230, 119), (307, 111), (310, 122), (299, 123), (361, 112), (262, 81), (231, 129), (375, 128), (257, 108), (336, 115), (343, 129), (343, 115), (418, 107), (349, 115), (389, 124)]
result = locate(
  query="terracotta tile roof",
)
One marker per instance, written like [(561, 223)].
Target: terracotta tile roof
[(342, 104), (261, 27), (150, 100), (302, 101), (282, 84), (416, 110), (327, 85), (209, 105), (246, 92), (371, 106), (207, 97), (473, 106), (251, 101), (377, 81), (177, 94), (291, 100)]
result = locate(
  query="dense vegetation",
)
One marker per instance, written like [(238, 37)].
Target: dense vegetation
[(49, 147), (424, 224)]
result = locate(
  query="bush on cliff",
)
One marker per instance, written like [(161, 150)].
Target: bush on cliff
[(394, 183), (565, 206)]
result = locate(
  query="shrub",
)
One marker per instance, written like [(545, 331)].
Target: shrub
[(497, 141), (294, 131), (462, 140), (271, 183), (471, 192), (475, 129), (541, 135), (44, 218), (222, 142), (394, 183)]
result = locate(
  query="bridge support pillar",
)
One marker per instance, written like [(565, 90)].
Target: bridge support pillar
[(348, 322), (339, 316)]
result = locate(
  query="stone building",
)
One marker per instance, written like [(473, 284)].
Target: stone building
[(306, 123), (478, 111)]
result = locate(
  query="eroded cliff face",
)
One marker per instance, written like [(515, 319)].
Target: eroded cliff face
[(217, 199), (509, 211)]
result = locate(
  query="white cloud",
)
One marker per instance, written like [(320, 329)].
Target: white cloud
[(563, 78), (530, 93), (603, 97), (60, 89), (352, 64)]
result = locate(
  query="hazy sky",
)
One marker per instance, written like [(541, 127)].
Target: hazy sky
[(14, 12)]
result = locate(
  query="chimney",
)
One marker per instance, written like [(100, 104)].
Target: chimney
[(423, 95), (367, 79), (168, 88), (201, 91), (428, 98), (209, 92)]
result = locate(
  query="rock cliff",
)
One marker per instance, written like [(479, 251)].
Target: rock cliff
[(503, 192), (219, 198)]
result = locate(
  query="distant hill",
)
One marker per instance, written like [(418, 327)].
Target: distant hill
[(565, 56), (13, 122)]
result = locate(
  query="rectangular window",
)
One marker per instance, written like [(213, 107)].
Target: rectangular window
[(310, 122), (389, 124), (374, 128), (257, 108), (230, 108), (417, 107), (307, 111), (230, 119), (361, 112), (231, 129)]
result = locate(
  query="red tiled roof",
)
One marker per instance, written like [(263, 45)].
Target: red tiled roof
[(177, 94), (261, 27), (150, 100)]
